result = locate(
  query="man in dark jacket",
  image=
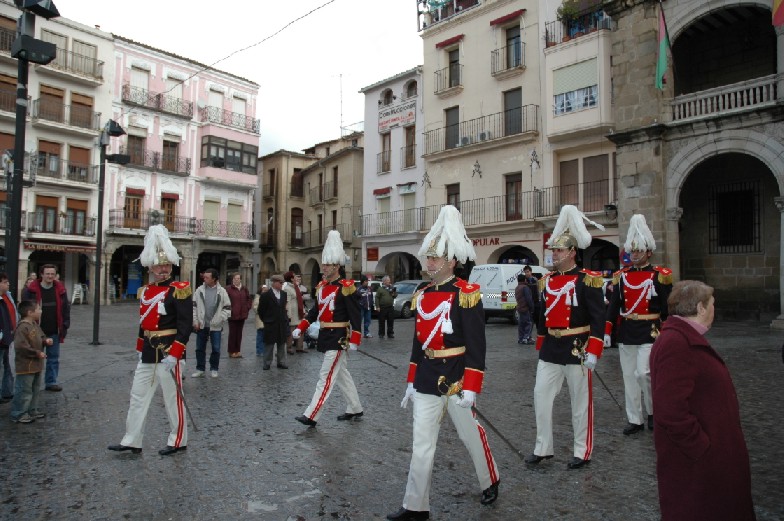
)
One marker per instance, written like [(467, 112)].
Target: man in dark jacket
[(525, 305), (365, 293), (52, 296), (385, 300), (272, 311)]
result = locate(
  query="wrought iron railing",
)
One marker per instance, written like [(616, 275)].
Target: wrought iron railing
[(316, 195), (448, 78), (487, 128), (507, 58), (80, 116), (268, 190), (726, 99), (142, 220), (37, 222), (157, 101), (382, 162), (55, 168), (70, 61), (228, 118), (562, 31), (408, 156), (330, 190), (212, 228), (448, 9), (157, 161)]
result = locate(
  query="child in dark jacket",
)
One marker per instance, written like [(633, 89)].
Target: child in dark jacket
[(29, 340)]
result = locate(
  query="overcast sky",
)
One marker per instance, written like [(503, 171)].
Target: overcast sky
[(298, 71)]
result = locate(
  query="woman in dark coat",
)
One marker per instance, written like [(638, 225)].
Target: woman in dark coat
[(702, 463)]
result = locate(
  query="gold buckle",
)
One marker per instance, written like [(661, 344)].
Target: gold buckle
[(556, 333), (634, 316), (430, 353)]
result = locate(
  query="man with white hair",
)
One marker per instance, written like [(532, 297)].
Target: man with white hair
[(640, 301)]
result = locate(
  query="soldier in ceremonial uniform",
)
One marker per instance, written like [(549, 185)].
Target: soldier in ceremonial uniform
[(166, 312), (640, 300), (340, 329), (570, 331), (447, 365)]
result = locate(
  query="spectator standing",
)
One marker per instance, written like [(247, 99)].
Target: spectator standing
[(26, 293), (239, 296), (272, 311), (29, 341), (365, 293), (525, 305), (8, 319), (259, 322), (385, 300), (533, 285), (211, 309), (295, 309), (51, 295)]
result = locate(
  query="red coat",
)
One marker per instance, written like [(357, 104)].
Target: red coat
[(702, 463)]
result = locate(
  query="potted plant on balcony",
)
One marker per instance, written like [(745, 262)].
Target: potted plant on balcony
[(567, 13)]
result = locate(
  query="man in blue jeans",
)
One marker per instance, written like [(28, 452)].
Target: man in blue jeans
[(211, 310), (52, 296), (365, 294)]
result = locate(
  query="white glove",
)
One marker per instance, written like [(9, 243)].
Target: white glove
[(353, 347), (410, 392), (590, 361), (295, 334), (468, 399), (140, 356), (607, 340), (169, 362)]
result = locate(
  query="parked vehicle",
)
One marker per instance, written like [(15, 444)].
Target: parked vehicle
[(498, 282), (405, 291)]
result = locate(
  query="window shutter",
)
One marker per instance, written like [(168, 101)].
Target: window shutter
[(577, 76)]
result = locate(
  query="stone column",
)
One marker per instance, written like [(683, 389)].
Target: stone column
[(780, 60), (673, 239), (778, 322)]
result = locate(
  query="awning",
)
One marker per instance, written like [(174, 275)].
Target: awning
[(508, 18), (449, 41), (52, 246)]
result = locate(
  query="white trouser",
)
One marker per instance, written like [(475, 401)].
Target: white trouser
[(334, 370), (549, 380), (145, 381), (428, 412), (635, 364)]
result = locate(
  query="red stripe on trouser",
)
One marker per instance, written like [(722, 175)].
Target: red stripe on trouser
[(180, 411), (589, 434), (327, 386), (488, 454)]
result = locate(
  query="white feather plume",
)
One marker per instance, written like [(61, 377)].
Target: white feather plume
[(157, 240), (451, 237), (639, 236), (570, 221), (333, 249)]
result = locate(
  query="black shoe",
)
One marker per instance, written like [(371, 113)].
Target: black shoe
[(380, 336), (6, 399), (577, 463), (282, 366), (54, 388), (650, 422), (169, 450), (533, 459), (304, 420), (350, 415), (490, 494), (266, 367), (391, 336), (632, 428), (121, 448), (409, 515)]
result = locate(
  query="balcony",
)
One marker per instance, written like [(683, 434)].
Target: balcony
[(158, 161), (186, 225), (157, 101), (230, 119), (316, 195), (519, 121), (75, 116), (449, 80), (330, 190), (563, 31), (382, 162), (408, 156), (71, 64), (267, 240), (52, 167), (316, 238), (522, 206), (37, 222), (211, 228), (446, 11), (268, 191), (508, 61), (725, 100)]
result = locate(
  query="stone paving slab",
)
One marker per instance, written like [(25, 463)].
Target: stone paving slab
[(251, 460)]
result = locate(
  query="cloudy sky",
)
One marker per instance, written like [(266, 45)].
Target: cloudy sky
[(302, 72)]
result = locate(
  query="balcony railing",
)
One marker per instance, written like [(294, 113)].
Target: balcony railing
[(316, 238), (70, 61), (330, 190), (80, 116), (7, 37), (563, 31), (268, 190), (449, 9), (726, 99), (157, 161), (507, 58), (267, 240), (487, 128), (316, 195), (448, 78), (408, 156), (228, 118), (55, 168), (188, 225), (157, 101), (8, 100), (382, 162), (36, 222), (547, 202), (233, 230)]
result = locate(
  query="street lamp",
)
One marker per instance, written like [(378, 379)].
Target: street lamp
[(111, 129)]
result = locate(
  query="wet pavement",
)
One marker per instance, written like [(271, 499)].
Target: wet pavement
[(251, 460)]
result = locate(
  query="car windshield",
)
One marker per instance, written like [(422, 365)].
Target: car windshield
[(405, 287)]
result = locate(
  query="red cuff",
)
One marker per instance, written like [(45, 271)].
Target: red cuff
[(595, 346), (140, 344), (356, 337), (539, 342), (608, 328), (177, 349), (472, 380), (411, 372), (303, 325)]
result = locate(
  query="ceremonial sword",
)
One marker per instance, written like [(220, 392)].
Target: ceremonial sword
[(607, 389), (495, 430), (182, 397)]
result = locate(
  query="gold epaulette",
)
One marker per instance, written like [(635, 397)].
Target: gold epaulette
[(616, 279), (593, 279), (321, 284), (541, 283), (182, 289), (348, 287), (415, 297), (665, 274), (469, 294)]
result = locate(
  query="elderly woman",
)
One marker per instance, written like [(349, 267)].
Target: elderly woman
[(702, 463)]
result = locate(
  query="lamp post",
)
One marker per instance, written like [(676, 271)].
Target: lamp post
[(111, 129)]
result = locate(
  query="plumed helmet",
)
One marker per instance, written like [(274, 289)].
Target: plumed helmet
[(570, 231), (447, 238), (158, 248), (333, 249), (639, 237)]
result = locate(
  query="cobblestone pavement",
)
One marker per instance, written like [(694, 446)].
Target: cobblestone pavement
[(251, 460)]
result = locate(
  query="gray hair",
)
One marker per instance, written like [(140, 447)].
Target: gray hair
[(685, 296), (386, 278)]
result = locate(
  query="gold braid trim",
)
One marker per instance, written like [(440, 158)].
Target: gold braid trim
[(469, 300), (593, 281), (665, 279), (616, 278), (415, 299), (348, 290), (541, 283), (181, 293)]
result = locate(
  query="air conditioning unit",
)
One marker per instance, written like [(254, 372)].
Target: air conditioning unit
[(465, 140), (484, 136)]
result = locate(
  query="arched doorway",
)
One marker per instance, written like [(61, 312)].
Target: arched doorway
[(601, 256), (126, 272), (400, 266), (516, 255)]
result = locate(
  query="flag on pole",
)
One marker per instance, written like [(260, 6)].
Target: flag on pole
[(778, 13), (664, 43)]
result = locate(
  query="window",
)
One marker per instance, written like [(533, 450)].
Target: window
[(136, 149), (232, 155), (215, 99), (85, 59), (384, 160), (514, 195), (140, 78), (410, 149), (411, 89), (388, 97), (7, 92), (320, 228), (270, 186), (174, 88), (297, 238), (61, 60), (734, 218), (169, 209), (170, 156), (81, 111), (334, 192), (75, 217), (45, 219), (51, 104), (454, 68), (575, 87), (78, 164), (334, 219), (453, 195), (514, 48), (48, 158), (452, 131), (238, 106), (297, 189), (133, 211), (570, 179), (513, 112), (596, 182)]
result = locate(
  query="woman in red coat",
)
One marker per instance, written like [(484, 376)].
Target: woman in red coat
[(702, 463)]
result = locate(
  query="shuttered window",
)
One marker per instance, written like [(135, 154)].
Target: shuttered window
[(140, 78), (238, 105), (574, 77)]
